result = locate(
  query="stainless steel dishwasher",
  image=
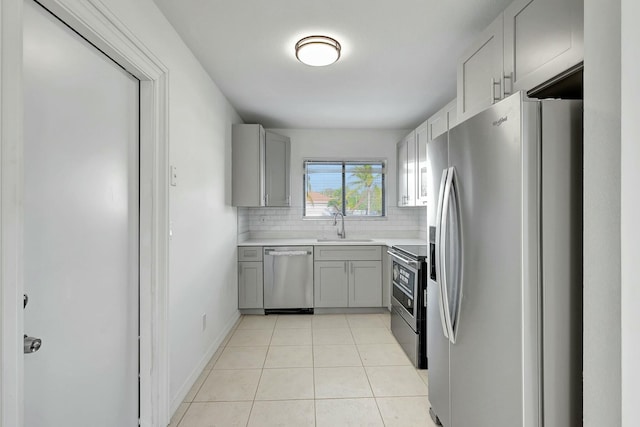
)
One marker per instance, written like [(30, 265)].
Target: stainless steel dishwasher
[(288, 279)]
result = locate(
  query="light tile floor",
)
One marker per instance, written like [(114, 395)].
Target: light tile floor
[(308, 370)]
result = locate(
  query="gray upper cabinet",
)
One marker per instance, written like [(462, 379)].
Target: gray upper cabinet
[(531, 42), (480, 71), (277, 171), (422, 137), (261, 167), (542, 38), (433, 127), (442, 121), (406, 170)]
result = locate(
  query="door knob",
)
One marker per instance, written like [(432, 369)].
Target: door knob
[(31, 344)]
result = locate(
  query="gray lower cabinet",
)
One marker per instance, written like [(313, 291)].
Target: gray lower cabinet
[(250, 277), (250, 285), (330, 284), (343, 276), (348, 276), (365, 284)]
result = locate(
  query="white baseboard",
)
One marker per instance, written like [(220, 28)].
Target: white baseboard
[(191, 379)]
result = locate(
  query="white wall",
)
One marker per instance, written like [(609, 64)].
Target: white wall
[(400, 223), (339, 144), (342, 144), (202, 260), (602, 91), (630, 213)]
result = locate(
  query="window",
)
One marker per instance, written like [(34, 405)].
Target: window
[(353, 188)]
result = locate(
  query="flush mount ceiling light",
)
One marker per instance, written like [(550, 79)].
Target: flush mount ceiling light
[(317, 51)]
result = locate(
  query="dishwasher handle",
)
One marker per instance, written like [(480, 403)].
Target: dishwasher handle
[(274, 252)]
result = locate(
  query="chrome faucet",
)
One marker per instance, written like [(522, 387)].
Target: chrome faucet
[(342, 233)]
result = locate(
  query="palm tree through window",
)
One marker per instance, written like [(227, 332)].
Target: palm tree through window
[(353, 188)]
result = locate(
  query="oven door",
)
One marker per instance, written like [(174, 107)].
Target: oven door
[(404, 290)]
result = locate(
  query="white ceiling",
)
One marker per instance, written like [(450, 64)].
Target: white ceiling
[(398, 63)]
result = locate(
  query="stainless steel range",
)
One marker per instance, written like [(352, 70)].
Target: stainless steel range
[(409, 301)]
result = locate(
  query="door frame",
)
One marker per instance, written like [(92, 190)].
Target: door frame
[(95, 22)]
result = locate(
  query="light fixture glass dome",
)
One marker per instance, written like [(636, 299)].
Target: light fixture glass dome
[(317, 51)]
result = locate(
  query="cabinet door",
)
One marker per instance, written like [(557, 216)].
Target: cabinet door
[(250, 285), (247, 166), (402, 172), (452, 114), (438, 124), (387, 273), (407, 176), (412, 173), (277, 162), (480, 72), (542, 38), (422, 137), (365, 284), (330, 288)]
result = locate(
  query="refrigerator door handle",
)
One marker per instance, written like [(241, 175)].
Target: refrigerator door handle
[(444, 279), (444, 318), (456, 285)]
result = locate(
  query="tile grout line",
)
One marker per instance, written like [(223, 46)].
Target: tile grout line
[(373, 395), (255, 394), (313, 367), (183, 414), (218, 352), (313, 346)]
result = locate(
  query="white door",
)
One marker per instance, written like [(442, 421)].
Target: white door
[(80, 230)]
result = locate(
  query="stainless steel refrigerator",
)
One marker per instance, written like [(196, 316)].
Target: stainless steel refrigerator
[(504, 293)]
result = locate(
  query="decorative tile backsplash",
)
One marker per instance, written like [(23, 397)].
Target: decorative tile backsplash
[(288, 223)]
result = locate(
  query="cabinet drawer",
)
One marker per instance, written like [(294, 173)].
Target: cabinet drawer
[(347, 253), (250, 253)]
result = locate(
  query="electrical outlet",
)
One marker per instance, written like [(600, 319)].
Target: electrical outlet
[(204, 321)]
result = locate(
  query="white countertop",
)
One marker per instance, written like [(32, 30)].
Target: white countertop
[(313, 241)]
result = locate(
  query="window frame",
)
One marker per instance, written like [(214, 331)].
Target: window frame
[(344, 163)]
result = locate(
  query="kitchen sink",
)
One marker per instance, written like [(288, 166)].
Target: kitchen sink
[(345, 240)]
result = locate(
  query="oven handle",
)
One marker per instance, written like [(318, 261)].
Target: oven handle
[(407, 261)]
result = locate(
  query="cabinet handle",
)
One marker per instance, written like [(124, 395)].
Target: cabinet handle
[(345, 267), (495, 83), (509, 77), (266, 200)]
